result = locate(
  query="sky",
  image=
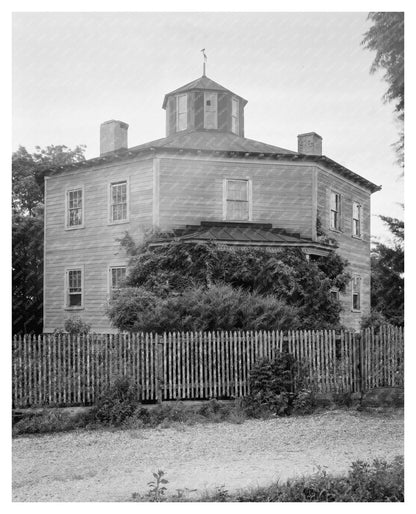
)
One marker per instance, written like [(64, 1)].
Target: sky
[(299, 71)]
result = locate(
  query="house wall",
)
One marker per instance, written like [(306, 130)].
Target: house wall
[(95, 247), (355, 250), (191, 191)]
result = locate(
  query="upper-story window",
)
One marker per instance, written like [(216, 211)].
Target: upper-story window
[(181, 112), (356, 219), (335, 211), (235, 116), (356, 293), (118, 202), (237, 200), (74, 208), (210, 111)]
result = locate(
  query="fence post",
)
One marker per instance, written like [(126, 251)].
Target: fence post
[(159, 368), (360, 363)]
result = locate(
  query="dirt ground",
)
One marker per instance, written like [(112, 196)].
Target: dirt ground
[(110, 466)]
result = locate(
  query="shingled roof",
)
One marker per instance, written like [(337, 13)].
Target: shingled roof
[(201, 84), (242, 234), (212, 141)]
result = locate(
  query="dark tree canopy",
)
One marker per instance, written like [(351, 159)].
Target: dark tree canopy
[(387, 275), (386, 38), (28, 172), (246, 288)]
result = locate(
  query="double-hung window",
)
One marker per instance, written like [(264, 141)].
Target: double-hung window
[(356, 293), (181, 112), (117, 277), (335, 211), (356, 219), (237, 200), (210, 110), (74, 208), (74, 288), (235, 116), (118, 202)]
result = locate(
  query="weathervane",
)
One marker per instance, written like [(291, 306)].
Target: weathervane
[(205, 61)]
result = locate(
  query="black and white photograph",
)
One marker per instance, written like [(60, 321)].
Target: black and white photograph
[(207, 252)]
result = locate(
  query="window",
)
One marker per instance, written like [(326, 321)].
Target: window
[(74, 208), (210, 110), (335, 211), (237, 200), (117, 277), (356, 293), (181, 112), (356, 219), (74, 288), (118, 202), (334, 295), (235, 116)]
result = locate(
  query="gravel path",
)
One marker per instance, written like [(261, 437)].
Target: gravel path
[(110, 466)]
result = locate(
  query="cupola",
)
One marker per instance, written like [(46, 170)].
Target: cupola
[(204, 105)]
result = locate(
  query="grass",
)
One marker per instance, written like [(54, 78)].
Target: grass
[(379, 481)]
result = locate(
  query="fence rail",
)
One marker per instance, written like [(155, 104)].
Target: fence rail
[(65, 371)]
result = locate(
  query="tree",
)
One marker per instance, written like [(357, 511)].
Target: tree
[(28, 172), (387, 274), (240, 288), (386, 38)]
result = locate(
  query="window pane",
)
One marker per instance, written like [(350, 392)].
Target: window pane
[(237, 211), (119, 201), (182, 121), (182, 103), (74, 207), (235, 107), (117, 277), (237, 190), (75, 300)]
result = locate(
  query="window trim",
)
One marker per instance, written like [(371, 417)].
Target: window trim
[(68, 307), (237, 117), (206, 93), (339, 227), (355, 277), (109, 276), (67, 191), (249, 199), (360, 220), (185, 112), (109, 204)]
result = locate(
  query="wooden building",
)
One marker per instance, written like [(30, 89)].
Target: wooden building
[(205, 180)]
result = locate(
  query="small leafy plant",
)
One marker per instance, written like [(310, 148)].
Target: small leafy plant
[(157, 487)]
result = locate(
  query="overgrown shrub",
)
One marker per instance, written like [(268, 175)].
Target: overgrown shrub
[(206, 286), (117, 403), (277, 386), (49, 420)]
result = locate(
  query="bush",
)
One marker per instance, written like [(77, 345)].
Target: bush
[(276, 386), (217, 307), (205, 286), (117, 403), (49, 421)]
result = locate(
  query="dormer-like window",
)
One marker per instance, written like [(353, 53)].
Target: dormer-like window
[(181, 112), (210, 111), (235, 125)]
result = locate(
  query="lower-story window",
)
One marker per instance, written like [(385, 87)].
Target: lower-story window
[(356, 293), (74, 288), (117, 277)]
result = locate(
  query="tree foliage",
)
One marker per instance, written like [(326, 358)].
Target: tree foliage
[(386, 38), (28, 172), (387, 274), (206, 286)]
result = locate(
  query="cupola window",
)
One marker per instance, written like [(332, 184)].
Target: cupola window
[(181, 113), (210, 111), (234, 116)]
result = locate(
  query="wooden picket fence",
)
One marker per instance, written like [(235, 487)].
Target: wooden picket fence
[(65, 371)]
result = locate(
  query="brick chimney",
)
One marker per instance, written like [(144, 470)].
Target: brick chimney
[(113, 136), (310, 143)]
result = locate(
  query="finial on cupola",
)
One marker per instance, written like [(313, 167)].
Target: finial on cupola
[(205, 62)]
